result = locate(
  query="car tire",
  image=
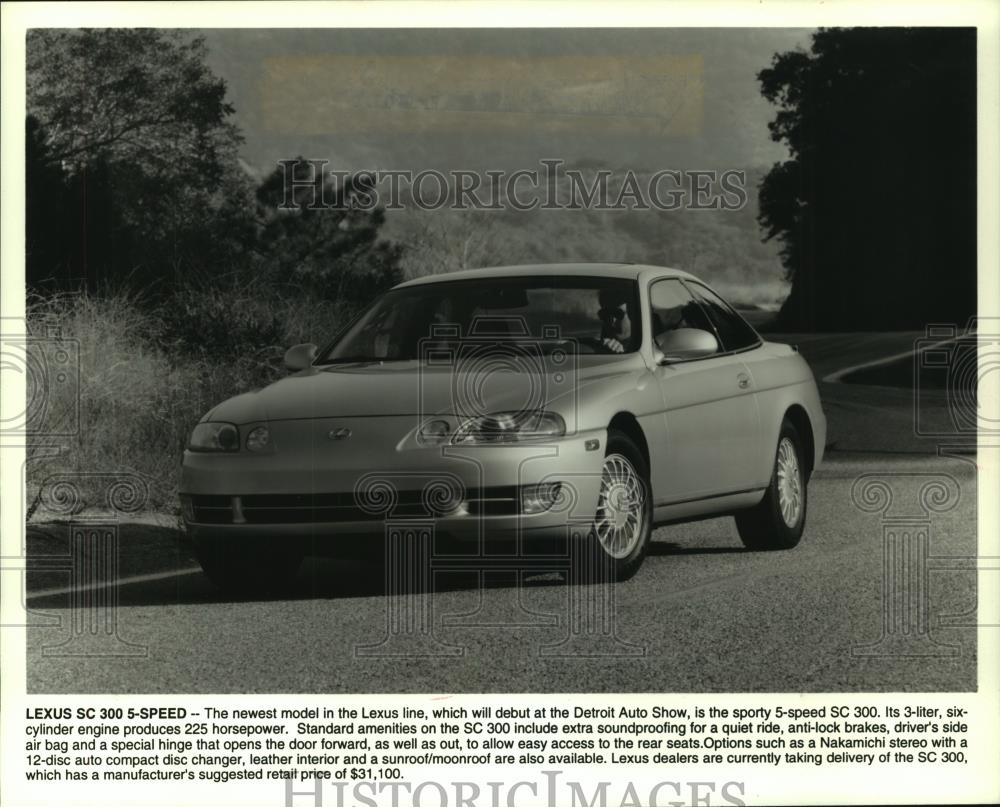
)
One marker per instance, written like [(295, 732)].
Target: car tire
[(619, 537), (778, 520), (243, 567)]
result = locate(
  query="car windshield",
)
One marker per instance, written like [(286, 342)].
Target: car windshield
[(595, 315)]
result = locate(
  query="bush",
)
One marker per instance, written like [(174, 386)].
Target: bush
[(147, 375)]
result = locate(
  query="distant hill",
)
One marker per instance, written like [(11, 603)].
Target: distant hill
[(722, 247)]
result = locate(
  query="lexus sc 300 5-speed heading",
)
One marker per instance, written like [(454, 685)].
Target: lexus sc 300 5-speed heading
[(586, 403)]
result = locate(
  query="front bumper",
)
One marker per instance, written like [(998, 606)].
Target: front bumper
[(466, 492)]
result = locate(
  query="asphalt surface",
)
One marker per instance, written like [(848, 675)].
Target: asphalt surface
[(890, 419), (703, 614)]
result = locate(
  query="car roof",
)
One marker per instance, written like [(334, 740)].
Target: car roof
[(630, 271)]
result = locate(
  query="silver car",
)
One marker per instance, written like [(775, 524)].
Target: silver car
[(584, 404)]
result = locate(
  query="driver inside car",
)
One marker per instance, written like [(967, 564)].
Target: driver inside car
[(616, 327)]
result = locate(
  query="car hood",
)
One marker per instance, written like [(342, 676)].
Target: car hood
[(412, 388)]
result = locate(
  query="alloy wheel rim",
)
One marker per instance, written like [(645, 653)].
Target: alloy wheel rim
[(789, 483), (620, 512)]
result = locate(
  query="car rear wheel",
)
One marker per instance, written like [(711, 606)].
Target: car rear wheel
[(246, 567), (623, 522), (778, 521)]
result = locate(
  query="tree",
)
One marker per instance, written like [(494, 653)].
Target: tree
[(140, 96), (132, 158), (327, 239), (876, 208)]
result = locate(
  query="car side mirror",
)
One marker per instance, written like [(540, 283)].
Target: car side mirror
[(682, 344), (301, 356)]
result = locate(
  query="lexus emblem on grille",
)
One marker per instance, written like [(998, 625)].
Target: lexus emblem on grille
[(339, 434)]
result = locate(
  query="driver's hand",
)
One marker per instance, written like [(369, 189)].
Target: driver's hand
[(613, 344)]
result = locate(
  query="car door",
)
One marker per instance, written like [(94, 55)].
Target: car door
[(710, 412)]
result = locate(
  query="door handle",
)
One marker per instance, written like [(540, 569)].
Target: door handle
[(743, 380)]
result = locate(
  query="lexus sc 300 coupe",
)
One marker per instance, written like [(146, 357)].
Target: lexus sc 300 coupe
[(594, 401)]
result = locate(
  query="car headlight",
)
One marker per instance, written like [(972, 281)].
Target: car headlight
[(434, 432), (215, 436), (511, 427), (259, 439)]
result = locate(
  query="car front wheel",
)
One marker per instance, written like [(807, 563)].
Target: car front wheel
[(623, 522), (778, 521)]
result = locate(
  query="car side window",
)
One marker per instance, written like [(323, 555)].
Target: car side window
[(734, 331), (672, 307)]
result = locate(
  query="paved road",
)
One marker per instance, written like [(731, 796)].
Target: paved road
[(702, 615), (892, 419)]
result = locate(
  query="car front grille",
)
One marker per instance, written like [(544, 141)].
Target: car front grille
[(330, 508)]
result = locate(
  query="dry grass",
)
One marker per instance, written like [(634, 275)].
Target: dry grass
[(147, 374)]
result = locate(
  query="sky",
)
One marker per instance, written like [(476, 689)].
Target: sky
[(482, 100), (503, 98)]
